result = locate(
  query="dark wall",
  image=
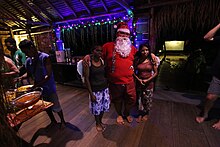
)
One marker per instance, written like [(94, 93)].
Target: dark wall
[(81, 40), (184, 21)]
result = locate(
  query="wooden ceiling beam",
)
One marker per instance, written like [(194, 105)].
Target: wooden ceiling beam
[(104, 5), (27, 22), (124, 5), (87, 9), (89, 17), (4, 25), (48, 17), (159, 4), (25, 4), (16, 9), (8, 14), (68, 5), (54, 9)]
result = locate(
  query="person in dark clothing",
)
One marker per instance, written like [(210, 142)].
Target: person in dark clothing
[(214, 88), (96, 83)]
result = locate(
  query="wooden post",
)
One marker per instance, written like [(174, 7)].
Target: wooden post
[(29, 32), (11, 33), (152, 31)]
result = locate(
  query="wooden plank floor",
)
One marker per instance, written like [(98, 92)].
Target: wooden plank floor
[(171, 124)]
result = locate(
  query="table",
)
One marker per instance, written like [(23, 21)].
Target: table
[(23, 115)]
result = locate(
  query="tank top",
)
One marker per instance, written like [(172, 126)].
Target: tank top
[(97, 77), (145, 71)]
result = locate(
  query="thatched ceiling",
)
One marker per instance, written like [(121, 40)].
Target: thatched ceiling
[(29, 14), (22, 13)]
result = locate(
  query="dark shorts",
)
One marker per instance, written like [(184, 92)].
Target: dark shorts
[(214, 87)]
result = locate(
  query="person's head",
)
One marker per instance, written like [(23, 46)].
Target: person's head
[(144, 50), (11, 44), (123, 43), (28, 48), (97, 51), (123, 30)]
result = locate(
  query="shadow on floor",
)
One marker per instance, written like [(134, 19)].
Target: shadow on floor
[(70, 132)]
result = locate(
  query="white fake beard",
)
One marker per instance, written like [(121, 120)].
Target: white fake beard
[(123, 46)]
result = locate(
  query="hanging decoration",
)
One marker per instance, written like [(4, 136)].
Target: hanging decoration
[(88, 34), (95, 22)]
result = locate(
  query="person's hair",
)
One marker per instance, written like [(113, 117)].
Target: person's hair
[(25, 44), (10, 40), (138, 59), (94, 47)]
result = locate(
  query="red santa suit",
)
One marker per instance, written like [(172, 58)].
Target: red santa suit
[(123, 67), (120, 76)]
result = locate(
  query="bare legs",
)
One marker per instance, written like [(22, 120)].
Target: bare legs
[(100, 127), (63, 123), (144, 105), (53, 120), (51, 116), (210, 99)]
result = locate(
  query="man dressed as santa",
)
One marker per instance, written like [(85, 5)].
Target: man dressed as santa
[(119, 57)]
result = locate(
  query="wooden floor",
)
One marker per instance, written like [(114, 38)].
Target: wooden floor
[(171, 124)]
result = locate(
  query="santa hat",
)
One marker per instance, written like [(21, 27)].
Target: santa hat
[(123, 27)]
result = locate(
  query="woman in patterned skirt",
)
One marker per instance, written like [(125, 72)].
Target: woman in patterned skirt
[(96, 83), (145, 66)]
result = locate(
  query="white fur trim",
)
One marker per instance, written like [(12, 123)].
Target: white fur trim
[(124, 30)]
